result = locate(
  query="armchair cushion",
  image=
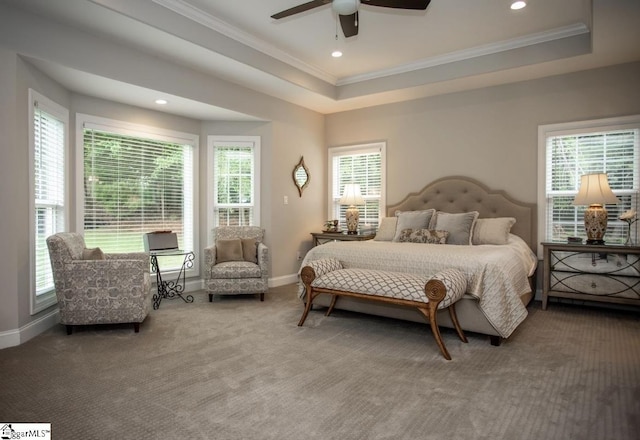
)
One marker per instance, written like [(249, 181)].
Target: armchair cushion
[(228, 250), (236, 269), (93, 254), (249, 250)]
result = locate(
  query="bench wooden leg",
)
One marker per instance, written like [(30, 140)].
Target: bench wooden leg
[(430, 314), (307, 306), (456, 324), (334, 298)]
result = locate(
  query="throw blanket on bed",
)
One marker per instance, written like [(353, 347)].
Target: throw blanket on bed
[(496, 275)]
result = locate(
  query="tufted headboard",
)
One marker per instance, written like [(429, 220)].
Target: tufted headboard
[(463, 194)]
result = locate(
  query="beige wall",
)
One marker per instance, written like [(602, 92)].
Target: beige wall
[(489, 134)]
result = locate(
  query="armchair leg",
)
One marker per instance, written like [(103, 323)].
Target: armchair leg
[(262, 297), (69, 329), (136, 327), (211, 297)]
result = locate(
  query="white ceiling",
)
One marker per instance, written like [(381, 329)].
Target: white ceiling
[(398, 55)]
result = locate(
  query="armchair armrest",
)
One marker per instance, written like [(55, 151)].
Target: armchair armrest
[(209, 260), (263, 258)]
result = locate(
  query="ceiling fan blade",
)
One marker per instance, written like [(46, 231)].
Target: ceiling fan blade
[(349, 24), (300, 8), (399, 4)]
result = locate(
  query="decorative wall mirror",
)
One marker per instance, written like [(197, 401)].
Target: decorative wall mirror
[(301, 175)]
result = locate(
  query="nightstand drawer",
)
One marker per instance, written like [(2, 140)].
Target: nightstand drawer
[(596, 285), (593, 262)]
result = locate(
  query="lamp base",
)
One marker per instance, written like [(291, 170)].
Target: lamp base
[(595, 223), (352, 216)]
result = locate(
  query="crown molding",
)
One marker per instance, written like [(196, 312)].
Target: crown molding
[(199, 16), (489, 49)]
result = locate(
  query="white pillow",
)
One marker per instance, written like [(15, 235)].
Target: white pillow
[(492, 230), (412, 220), (387, 229), (459, 226)]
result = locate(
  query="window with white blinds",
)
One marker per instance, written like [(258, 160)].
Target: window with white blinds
[(48, 135), (234, 174), (365, 166), (136, 180), (611, 147)]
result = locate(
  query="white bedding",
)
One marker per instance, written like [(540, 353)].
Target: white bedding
[(496, 275)]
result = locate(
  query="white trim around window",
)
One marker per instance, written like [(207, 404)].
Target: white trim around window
[(249, 143), (189, 141), (374, 195), (52, 191)]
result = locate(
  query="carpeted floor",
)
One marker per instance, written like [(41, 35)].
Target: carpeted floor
[(241, 369)]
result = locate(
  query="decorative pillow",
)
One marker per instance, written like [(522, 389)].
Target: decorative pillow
[(412, 220), (492, 230), (228, 250), (459, 226), (93, 254), (387, 229), (250, 250), (424, 236)]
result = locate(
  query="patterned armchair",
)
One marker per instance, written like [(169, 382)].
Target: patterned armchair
[(97, 288), (236, 273)]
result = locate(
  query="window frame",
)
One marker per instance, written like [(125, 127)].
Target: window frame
[(349, 150), (568, 129), (42, 301), (143, 131), (213, 141)]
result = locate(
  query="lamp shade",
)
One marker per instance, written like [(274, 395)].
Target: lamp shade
[(595, 190), (351, 195)]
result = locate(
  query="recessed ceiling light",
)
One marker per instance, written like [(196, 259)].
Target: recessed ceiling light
[(336, 54), (518, 5), (161, 101)]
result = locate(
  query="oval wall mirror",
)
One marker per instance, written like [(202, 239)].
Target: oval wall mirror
[(301, 175)]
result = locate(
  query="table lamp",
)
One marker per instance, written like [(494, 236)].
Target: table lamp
[(352, 197), (595, 192)]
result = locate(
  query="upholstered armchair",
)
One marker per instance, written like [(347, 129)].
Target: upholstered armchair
[(237, 262), (97, 288)]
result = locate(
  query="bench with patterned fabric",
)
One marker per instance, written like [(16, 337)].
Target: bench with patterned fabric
[(427, 294)]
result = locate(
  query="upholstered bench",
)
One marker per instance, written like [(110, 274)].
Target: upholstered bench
[(427, 294)]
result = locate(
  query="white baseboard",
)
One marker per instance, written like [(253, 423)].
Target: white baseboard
[(283, 280), (11, 338)]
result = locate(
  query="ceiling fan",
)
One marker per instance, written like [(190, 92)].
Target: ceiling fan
[(347, 10)]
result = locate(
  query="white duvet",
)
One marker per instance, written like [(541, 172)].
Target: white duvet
[(496, 275)]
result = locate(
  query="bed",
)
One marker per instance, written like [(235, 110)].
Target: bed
[(501, 277)]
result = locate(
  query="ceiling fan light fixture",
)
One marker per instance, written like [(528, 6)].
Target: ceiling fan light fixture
[(518, 5), (345, 7)]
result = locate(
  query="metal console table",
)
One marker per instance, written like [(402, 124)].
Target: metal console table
[(174, 288)]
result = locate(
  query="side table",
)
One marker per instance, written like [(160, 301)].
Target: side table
[(325, 237), (605, 273), (171, 289)]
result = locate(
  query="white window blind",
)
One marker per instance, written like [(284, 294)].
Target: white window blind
[(363, 165), (49, 134), (614, 151), (135, 183), (234, 183)]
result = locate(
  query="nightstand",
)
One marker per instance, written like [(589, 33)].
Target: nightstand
[(325, 237), (606, 273)]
